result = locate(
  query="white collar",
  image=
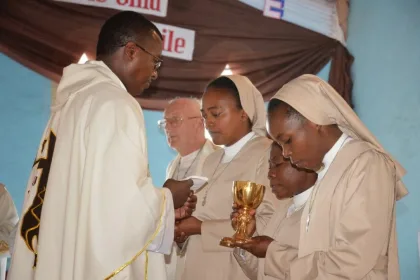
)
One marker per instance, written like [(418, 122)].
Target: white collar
[(332, 153), (101, 63), (233, 150), (189, 157), (300, 199)]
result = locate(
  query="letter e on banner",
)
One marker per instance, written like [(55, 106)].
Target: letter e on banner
[(177, 42)]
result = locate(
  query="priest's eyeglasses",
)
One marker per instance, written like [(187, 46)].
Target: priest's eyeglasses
[(158, 61), (174, 121)]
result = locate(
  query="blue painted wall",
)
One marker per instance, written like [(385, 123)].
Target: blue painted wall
[(159, 152), (24, 110), (384, 37)]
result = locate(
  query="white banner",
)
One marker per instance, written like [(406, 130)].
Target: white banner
[(150, 7), (177, 42), (317, 15), (274, 9)]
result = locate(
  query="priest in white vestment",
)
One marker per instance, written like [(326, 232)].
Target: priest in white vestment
[(184, 129), (91, 210)]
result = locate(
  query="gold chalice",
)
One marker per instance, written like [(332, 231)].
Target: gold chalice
[(247, 195)]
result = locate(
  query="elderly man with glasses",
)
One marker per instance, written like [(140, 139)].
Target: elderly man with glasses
[(184, 129)]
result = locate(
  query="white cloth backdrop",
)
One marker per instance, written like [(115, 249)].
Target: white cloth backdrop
[(317, 15)]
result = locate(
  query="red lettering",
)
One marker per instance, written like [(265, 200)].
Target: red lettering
[(179, 45), (142, 4), (155, 5), (171, 42), (167, 40), (164, 38)]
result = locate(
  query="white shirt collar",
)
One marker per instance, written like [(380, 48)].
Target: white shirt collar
[(300, 199), (332, 153), (231, 151), (189, 158)]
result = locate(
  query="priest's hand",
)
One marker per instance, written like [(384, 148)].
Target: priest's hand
[(187, 209), (258, 245), (189, 226), (180, 191), (236, 212)]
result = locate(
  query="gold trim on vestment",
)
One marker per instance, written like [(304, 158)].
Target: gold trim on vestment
[(121, 268)]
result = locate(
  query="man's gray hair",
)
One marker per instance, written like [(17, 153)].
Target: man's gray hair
[(185, 98)]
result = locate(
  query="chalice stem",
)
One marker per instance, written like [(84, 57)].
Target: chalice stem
[(243, 219)]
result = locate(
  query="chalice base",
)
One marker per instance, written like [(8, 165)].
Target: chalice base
[(232, 242)]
